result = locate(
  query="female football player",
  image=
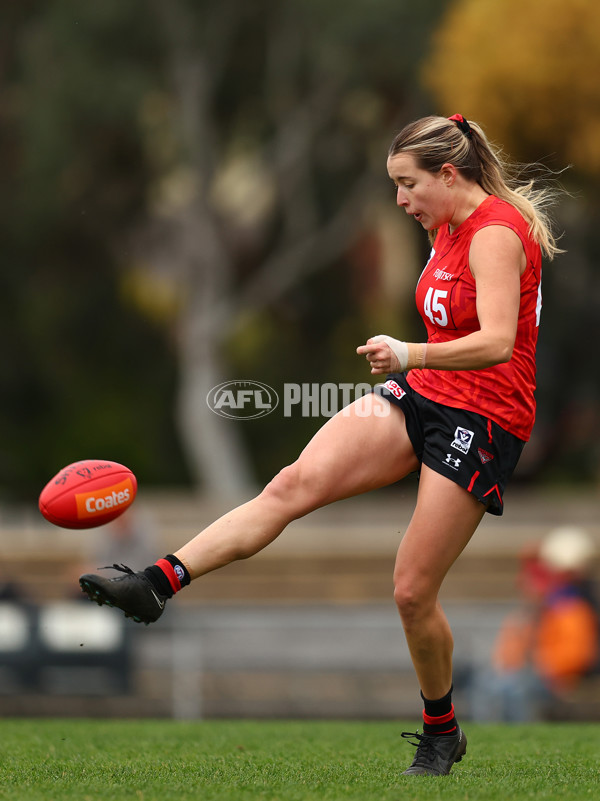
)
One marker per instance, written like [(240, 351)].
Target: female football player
[(457, 408)]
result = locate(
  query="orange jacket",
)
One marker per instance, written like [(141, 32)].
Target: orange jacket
[(560, 643), (566, 642)]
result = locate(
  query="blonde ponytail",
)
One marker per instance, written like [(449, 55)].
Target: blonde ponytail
[(435, 141)]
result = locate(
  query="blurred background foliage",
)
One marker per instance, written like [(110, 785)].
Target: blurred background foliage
[(196, 192)]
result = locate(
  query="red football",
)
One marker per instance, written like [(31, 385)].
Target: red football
[(88, 493)]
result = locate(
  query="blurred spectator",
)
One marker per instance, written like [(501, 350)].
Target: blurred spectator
[(552, 641)]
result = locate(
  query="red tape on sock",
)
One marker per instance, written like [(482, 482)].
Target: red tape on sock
[(169, 571), (437, 721)]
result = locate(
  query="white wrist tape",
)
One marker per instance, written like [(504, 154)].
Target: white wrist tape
[(398, 348), (409, 355)]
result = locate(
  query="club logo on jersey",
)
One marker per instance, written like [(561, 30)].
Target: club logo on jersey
[(462, 439), (485, 456), (451, 461), (395, 389), (442, 275)]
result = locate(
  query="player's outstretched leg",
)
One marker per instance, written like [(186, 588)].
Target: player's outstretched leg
[(363, 447)]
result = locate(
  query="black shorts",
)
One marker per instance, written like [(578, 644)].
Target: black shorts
[(468, 448)]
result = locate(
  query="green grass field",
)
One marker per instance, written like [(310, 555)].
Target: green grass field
[(97, 760)]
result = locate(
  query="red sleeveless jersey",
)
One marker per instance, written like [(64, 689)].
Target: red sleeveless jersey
[(446, 295)]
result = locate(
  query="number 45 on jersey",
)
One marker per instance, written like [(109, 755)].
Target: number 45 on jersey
[(434, 307)]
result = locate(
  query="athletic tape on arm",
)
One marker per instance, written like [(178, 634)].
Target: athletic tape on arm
[(398, 348), (409, 355)]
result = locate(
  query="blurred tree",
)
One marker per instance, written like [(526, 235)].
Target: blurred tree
[(271, 118), (528, 70), (74, 180), (528, 73), (175, 176)]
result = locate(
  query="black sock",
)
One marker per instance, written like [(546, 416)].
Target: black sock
[(438, 715), (168, 575)]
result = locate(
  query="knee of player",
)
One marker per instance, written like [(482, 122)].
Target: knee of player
[(282, 485), (411, 598), (294, 486)]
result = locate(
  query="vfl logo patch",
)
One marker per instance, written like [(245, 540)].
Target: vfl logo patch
[(451, 461), (462, 439), (484, 456)]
